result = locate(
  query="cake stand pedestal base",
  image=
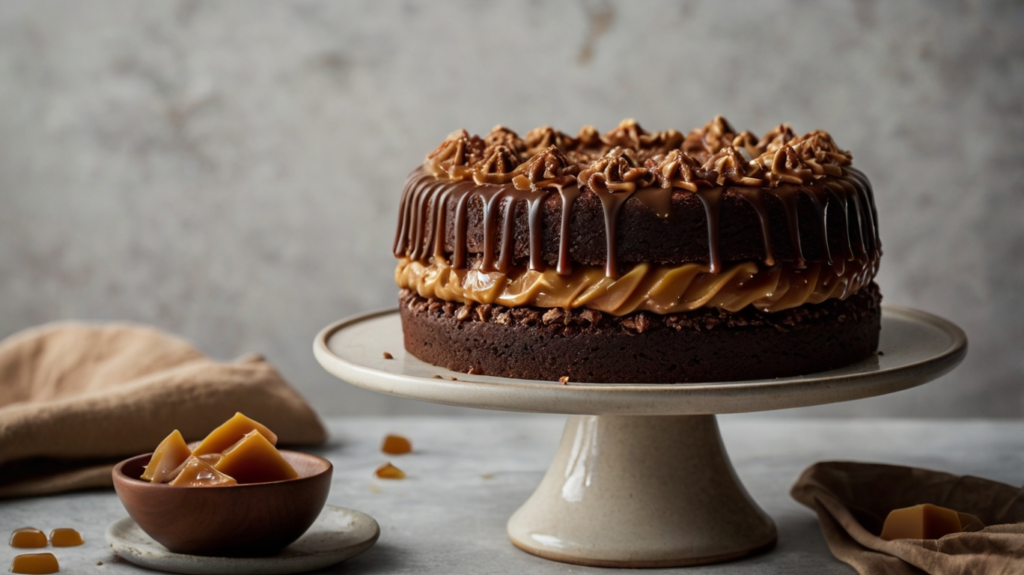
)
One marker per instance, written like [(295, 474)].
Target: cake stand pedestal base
[(641, 491)]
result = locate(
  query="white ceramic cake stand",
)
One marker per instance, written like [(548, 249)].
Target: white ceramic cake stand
[(641, 477)]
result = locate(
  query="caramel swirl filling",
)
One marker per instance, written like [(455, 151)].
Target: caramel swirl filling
[(661, 289)]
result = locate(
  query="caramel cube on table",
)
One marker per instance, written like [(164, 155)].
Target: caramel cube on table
[(254, 459), (396, 445), (28, 538), (231, 432), (35, 563), (388, 471), (925, 521), (171, 453), (66, 537)]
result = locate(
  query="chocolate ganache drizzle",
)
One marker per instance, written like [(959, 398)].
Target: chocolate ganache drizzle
[(506, 174)]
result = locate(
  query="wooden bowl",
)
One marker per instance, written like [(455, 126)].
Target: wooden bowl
[(250, 520)]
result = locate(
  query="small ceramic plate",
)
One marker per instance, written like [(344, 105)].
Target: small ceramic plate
[(338, 534)]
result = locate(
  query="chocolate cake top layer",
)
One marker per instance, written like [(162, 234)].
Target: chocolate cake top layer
[(630, 196)]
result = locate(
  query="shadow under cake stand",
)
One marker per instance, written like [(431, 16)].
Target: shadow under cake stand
[(641, 477)]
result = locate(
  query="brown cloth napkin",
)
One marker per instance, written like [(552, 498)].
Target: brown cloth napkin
[(852, 501), (76, 398)]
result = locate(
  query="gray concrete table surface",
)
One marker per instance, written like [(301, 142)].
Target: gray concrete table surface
[(468, 474)]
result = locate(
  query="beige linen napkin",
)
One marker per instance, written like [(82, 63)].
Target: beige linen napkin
[(852, 501), (76, 398)]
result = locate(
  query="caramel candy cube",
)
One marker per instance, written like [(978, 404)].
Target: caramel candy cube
[(66, 537), (230, 433), (388, 471), (28, 538), (255, 460), (171, 453), (920, 522), (396, 445), (35, 563), (199, 473), (211, 458)]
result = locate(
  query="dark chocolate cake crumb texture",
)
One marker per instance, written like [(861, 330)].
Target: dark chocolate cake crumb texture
[(708, 345)]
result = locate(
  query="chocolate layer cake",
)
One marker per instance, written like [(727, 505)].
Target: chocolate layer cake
[(638, 257)]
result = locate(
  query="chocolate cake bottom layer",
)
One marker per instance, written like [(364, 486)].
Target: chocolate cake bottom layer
[(584, 345)]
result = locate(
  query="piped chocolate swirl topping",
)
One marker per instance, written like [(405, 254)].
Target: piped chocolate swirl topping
[(503, 201)]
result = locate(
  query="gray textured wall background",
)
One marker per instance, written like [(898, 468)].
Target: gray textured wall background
[(230, 171)]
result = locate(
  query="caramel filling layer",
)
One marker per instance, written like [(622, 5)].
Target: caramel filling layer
[(662, 289)]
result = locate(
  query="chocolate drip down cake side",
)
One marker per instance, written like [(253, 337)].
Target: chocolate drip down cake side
[(638, 257)]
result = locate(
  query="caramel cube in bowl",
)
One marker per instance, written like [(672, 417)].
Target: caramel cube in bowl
[(231, 432), (255, 460), (171, 453), (198, 473)]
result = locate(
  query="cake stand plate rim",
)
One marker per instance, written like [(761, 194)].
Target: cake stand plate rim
[(394, 377)]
